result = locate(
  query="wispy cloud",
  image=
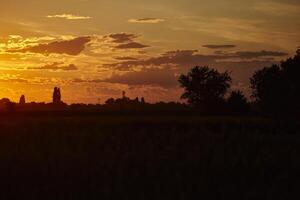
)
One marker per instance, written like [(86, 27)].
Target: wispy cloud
[(131, 45), (69, 17), (69, 47), (126, 41), (57, 66), (275, 8), (147, 20), (227, 46)]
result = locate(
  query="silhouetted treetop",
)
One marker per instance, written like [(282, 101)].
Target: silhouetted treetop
[(277, 88), (57, 96), (237, 102), (204, 86), (22, 100)]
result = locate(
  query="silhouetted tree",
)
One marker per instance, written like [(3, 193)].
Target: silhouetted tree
[(56, 96), (110, 101), (205, 87), (276, 89), (143, 100), (4, 101), (123, 94), (22, 100), (237, 103)]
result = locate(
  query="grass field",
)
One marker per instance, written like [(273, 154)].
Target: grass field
[(147, 157)]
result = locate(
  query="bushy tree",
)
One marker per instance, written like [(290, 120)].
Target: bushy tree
[(277, 88), (110, 101), (237, 102), (205, 87)]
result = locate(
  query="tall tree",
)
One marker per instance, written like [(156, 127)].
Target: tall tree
[(56, 96), (205, 87), (22, 100), (276, 89)]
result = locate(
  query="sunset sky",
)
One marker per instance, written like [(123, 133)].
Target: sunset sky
[(95, 49)]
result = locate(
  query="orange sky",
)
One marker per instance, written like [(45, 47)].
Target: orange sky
[(94, 49)]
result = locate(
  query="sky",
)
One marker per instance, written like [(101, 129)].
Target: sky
[(95, 49)]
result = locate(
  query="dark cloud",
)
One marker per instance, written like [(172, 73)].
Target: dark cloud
[(57, 66), (155, 77), (219, 46), (184, 58), (125, 58), (146, 20), (163, 70), (126, 41), (189, 58), (257, 54), (131, 45), (70, 47), (70, 67), (122, 37)]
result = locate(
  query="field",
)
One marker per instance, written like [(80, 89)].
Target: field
[(147, 157)]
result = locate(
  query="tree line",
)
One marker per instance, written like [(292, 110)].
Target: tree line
[(275, 91)]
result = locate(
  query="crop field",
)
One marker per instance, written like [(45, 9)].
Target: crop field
[(147, 157)]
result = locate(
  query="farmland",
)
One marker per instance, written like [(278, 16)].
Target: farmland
[(113, 156)]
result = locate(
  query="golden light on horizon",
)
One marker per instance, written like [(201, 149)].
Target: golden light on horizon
[(142, 50)]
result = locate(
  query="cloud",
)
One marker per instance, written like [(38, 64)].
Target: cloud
[(257, 54), (122, 37), (189, 58), (70, 67), (125, 58), (163, 70), (69, 17), (13, 80), (155, 77), (131, 45), (147, 20), (126, 41), (57, 66), (219, 46), (277, 9), (184, 58), (70, 47)]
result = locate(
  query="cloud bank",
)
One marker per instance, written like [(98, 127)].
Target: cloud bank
[(219, 46), (69, 47)]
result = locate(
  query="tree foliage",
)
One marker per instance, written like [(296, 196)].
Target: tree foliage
[(204, 87), (237, 102), (277, 88), (22, 100), (57, 96)]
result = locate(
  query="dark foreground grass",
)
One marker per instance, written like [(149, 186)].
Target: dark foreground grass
[(147, 157)]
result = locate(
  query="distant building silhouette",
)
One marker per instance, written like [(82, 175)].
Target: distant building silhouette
[(56, 96), (22, 100)]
